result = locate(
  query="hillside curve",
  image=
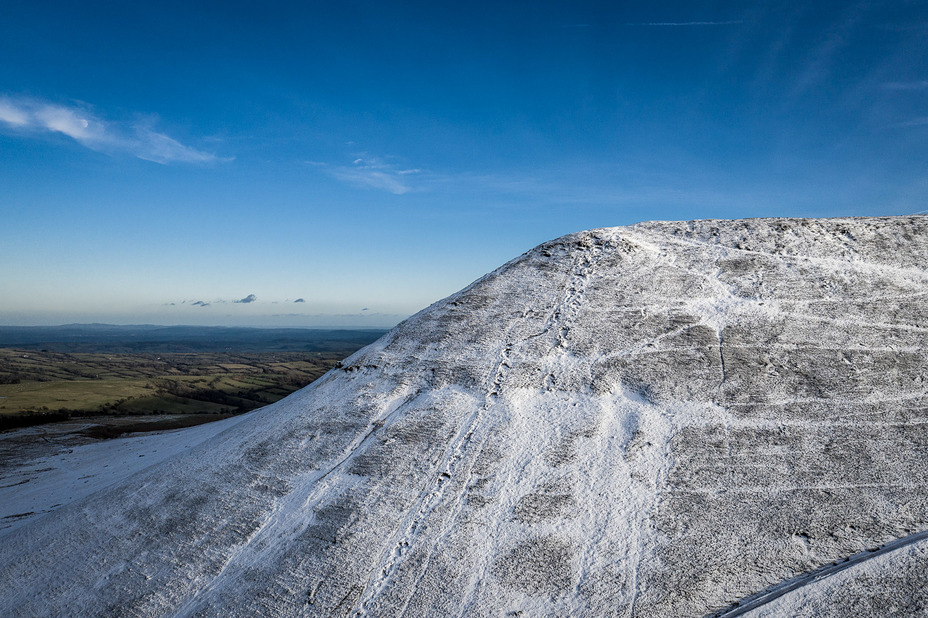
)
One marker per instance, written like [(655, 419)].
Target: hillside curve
[(663, 419)]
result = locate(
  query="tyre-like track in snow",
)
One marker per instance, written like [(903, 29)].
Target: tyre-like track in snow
[(766, 596)]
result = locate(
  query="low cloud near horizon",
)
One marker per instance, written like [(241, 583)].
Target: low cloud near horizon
[(138, 138), (364, 312)]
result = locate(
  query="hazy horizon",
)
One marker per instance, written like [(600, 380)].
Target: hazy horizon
[(347, 325)]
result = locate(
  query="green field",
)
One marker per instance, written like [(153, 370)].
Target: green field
[(43, 386)]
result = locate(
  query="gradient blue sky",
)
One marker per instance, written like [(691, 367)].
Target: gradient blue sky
[(370, 158)]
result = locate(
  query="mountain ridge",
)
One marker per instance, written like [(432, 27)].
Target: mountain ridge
[(660, 419)]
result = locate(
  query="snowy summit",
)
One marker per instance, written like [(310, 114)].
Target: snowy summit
[(669, 419)]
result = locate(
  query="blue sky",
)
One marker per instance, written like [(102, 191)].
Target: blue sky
[(160, 161)]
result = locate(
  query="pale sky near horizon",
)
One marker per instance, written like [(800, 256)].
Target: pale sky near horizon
[(162, 162)]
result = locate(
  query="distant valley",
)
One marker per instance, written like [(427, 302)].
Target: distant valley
[(140, 378)]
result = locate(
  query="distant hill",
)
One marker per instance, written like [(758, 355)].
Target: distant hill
[(94, 338)]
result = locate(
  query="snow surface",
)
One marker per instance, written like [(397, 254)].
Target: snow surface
[(66, 469), (664, 419)]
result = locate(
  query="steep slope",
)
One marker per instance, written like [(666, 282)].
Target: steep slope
[(664, 419)]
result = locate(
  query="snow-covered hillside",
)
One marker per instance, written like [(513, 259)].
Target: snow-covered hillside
[(658, 420)]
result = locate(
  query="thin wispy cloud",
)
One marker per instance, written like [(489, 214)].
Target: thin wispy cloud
[(32, 117), (375, 173), (902, 27), (160, 148), (248, 299), (12, 115), (823, 58), (916, 122), (687, 23), (82, 127), (916, 85)]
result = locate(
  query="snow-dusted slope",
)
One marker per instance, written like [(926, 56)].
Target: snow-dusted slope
[(664, 419), (46, 467)]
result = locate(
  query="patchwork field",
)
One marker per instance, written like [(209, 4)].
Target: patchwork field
[(44, 386)]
